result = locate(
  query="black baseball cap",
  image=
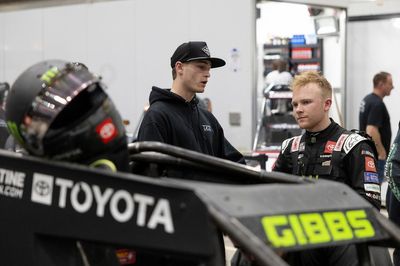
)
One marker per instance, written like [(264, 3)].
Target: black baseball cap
[(191, 51)]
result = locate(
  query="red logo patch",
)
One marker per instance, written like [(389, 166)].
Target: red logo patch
[(370, 164), (107, 130), (126, 256), (329, 146)]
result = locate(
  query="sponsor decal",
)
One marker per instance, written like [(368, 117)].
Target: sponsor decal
[(340, 142), (351, 142), (83, 197), (295, 144), (205, 50), (302, 146), (316, 228), (126, 256), (325, 156), (285, 144), (107, 130), (365, 152), (329, 146), (326, 163), (11, 183), (207, 128), (49, 75), (371, 177), (370, 165), (372, 188), (42, 188), (373, 196)]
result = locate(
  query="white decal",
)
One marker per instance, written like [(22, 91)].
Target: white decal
[(83, 188), (143, 201), (11, 183), (101, 199), (162, 215), (295, 144), (42, 188), (125, 215), (340, 142), (372, 188), (82, 197), (352, 141), (64, 185)]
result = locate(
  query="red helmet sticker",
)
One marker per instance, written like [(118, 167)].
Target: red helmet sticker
[(370, 164), (107, 130), (329, 146)]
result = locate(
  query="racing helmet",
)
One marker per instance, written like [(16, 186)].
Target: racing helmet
[(59, 110)]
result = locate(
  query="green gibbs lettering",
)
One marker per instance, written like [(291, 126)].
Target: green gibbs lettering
[(271, 225), (362, 227), (49, 75), (316, 228), (298, 231), (338, 225)]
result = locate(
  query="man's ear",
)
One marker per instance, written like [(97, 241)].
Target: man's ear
[(178, 66), (327, 104)]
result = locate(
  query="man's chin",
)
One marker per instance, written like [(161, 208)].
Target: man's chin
[(303, 125)]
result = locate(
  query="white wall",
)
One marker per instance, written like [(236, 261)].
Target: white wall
[(364, 8), (130, 44), (373, 46)]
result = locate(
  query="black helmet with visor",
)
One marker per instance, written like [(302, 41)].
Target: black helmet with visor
[(60, 110)]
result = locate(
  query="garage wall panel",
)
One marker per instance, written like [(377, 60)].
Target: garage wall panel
[(65, 33), (230, 34), (23, 45), (373, 46), (111, 51)]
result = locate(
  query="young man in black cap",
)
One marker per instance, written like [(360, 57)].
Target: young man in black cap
[(174, 116)]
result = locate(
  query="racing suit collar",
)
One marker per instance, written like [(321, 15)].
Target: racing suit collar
[(320, 136)]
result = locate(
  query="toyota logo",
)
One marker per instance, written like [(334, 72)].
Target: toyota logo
[(42, 188)]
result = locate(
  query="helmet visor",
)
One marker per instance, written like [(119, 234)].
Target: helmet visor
[(59, 88)]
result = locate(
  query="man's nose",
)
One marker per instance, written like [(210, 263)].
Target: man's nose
[(298, 109)]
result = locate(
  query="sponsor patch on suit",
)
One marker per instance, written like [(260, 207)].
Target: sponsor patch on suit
[(371, 177), (372, 188)]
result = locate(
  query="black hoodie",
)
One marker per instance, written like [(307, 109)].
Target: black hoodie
[(172, 120)]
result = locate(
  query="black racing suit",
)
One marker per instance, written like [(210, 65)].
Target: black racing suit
[(316, 155), (392, 172), (334, 154)]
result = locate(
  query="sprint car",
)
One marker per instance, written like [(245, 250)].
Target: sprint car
[(58, 213)]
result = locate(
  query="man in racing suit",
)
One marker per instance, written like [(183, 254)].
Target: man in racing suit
[(327, 151)]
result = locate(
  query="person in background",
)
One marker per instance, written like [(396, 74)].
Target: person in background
[(4, 134), (279, 74), (331, 152), (392, 173), (174, 116), (374, 118)]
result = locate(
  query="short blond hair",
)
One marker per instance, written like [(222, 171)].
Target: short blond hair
[(307, 77)]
